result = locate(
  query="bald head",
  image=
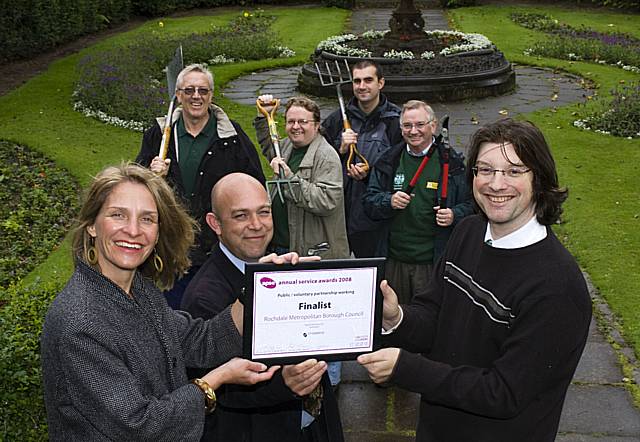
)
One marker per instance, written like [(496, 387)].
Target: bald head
[(234, 184), (241, 216)]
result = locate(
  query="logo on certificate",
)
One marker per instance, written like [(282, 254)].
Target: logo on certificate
[(268, 283)]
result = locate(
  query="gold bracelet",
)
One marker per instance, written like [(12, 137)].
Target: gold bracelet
[(209, 394)]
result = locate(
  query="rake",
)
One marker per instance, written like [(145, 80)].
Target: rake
[(337, 75), (278, 183)]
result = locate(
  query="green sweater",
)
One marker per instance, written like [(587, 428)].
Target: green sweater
[(413, 228)]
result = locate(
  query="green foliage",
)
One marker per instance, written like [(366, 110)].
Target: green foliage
[(129, 81), (345, 4), (457, 3), (30, 27), (618, 116), (22, 315), (33, 224), (533, 20), (619, 4)]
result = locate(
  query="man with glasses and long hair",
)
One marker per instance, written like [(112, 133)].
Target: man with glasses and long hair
[(204, 146), (417, 228), (493, 343)]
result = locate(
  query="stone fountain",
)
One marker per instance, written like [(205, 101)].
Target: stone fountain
[(436, 66)]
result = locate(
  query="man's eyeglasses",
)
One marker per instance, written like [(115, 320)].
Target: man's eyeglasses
[(192, 90), (300, 122), (488, 172), (419, 125)]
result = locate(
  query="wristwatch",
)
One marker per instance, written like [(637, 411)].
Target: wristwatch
[(209, 394)]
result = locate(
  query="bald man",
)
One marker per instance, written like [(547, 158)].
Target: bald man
[(272, 411)]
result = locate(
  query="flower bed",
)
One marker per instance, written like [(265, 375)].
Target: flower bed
[(38, 200), (619, 116), (127, 87), (435, 43), (569, 43)]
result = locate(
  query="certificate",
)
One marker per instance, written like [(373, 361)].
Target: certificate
[(328, 310)]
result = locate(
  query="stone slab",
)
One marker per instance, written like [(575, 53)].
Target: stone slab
[(362, 406), (599, 409), (598, 365), (595, 438)]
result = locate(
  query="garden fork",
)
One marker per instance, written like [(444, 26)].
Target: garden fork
[(273, 133), (338, 77)]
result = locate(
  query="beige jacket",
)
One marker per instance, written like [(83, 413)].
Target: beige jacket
[(316, 214)]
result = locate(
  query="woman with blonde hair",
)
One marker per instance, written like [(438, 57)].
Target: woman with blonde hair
[(113, 352)]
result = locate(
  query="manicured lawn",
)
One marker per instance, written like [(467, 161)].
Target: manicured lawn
[(40, 115), (602, 215)]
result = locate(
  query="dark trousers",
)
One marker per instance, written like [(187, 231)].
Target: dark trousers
[(365, 244), (406, 279)]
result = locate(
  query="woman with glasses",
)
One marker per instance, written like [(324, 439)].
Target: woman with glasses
[(113, 352), (312, 212)]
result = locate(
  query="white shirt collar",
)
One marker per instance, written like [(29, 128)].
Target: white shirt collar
[(424, 152), (233, 258), (530, 233)]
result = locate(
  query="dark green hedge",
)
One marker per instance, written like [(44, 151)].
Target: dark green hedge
[(22, 313), (31, 27)]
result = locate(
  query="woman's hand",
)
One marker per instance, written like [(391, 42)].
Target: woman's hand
[(239, 371)]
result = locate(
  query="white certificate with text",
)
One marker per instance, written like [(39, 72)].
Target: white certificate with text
[(326, 313)]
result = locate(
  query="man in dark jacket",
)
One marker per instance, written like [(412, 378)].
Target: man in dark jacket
[(275, 410), (374, 130), (417, 227), (204, 146)]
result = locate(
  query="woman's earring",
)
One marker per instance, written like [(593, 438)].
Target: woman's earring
[(157, 261), (92, 254)]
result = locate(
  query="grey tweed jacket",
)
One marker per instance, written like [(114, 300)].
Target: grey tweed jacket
[(114, 367)]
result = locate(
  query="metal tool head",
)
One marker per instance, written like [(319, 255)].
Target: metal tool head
[(318, 249), (445, 130), (445, 122), (277, 187), (335, 73), (173, 69)]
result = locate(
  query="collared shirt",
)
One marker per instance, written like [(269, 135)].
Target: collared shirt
[(191, 150), (424, 152), (240, 264), (530, 233)]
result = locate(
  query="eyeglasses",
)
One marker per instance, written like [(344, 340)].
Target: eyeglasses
[(419, 125), (300, 122), (488, 172), (203, 91)]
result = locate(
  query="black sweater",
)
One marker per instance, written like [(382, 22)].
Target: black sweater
[(501, 332)]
